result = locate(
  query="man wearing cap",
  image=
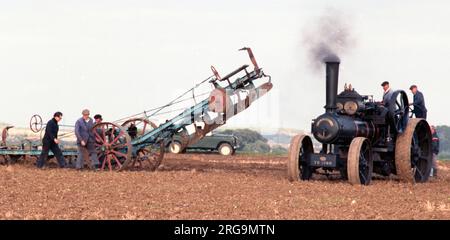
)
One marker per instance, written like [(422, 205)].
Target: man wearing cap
[(419, 103), (50, 142), (387, 95), (85, 141), (98, 118)]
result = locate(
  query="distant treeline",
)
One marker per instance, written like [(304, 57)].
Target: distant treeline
[(444, 136)]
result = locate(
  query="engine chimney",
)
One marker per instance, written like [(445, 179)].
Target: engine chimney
[(332, 76)]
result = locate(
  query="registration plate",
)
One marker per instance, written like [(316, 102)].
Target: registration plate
[(323, 160)]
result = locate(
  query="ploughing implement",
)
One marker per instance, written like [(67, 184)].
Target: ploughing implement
[(125, 146), (136, 141)]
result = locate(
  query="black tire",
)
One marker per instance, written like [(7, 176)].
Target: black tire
[(225, 149), (175, 147), (298, 166), (413, 155), (360, 162)]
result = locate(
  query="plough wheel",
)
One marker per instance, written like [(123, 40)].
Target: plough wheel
[(36, 123), (149, 158), (360, 162), (413, 155), (3, 160), (142, 126), (113, 145), (71, 161), (298, 166), (10, 159), (31, 159)]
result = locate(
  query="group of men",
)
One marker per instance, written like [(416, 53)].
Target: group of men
[(86, 138), (85, 141), (420, 111)]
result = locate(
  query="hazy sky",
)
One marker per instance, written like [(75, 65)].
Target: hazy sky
[(123, 57)]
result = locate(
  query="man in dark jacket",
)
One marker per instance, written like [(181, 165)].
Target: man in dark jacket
[(387, 93), (419, 103), (50, 142), (98, 118), (85, 141), (435, 148)]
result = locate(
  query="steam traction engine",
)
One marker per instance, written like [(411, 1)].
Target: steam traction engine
[(360, 136)]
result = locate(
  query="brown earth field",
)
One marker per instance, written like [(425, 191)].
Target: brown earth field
[(208, 186)]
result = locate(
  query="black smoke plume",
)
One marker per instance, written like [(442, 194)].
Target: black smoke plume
[(328, 37)]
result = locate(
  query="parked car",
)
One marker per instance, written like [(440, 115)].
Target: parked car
[(224, 144)]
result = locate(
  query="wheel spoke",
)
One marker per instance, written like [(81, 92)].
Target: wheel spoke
[(416, 169), (104, 162), (104, 133), (119, 146), (362, 160), (365, 151), (109, 162), (119, 153), (118, 136), (117, 161), (97, 137), (363, 165), (363, 175), (111, 134)]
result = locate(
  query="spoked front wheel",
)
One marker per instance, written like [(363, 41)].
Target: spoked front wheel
[(360, 162), (298, 162)]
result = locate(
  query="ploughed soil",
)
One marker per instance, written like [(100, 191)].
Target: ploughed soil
[(208, 186)]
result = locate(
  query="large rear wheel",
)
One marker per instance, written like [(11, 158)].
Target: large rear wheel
[(137, 127), (298, 162), (413, 155), (360, 162)]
